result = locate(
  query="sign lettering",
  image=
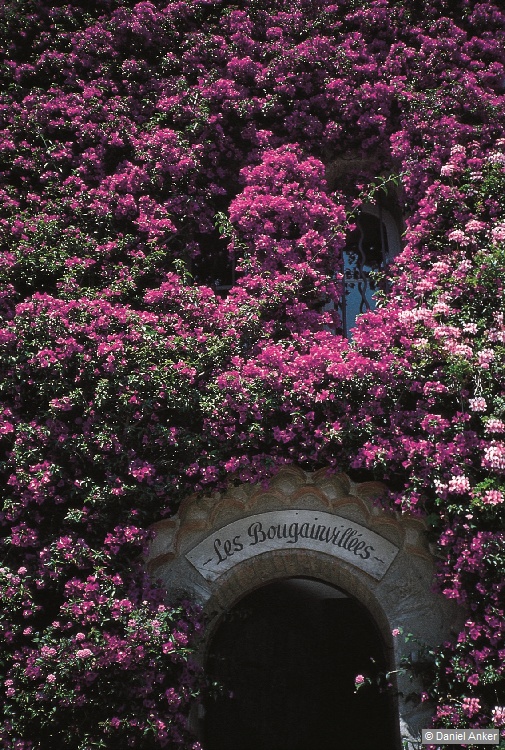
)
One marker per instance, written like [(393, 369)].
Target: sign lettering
[(292, 529)]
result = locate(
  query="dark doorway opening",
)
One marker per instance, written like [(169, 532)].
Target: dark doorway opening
[(286, 657)]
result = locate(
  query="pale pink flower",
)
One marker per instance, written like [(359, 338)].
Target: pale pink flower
[(494, 425), (498, 715), (494, 456), (458, 148), (458, 485), (441, 307), (83, 653), (492, 497), (465, 266), (474, 226), (478, 403), (484, 357), (471, 706), (457, 235), (458, 350), (495, 335), (498, 233), (497, 158)]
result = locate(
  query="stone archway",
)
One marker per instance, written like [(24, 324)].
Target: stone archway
[(317, 526)]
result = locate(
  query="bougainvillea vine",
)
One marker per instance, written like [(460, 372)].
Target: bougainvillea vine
[(178, 180)]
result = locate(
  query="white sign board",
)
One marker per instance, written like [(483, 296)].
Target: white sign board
[(292, 529)]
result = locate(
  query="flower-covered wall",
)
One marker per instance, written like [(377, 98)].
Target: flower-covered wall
[(149, 149)]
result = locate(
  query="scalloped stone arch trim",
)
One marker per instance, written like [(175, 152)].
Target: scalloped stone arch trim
[(317, 525)]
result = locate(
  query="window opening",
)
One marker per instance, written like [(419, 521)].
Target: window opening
[(370, 248), (215, 267)]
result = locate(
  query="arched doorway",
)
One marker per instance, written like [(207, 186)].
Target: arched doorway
[(286, 657), (223, 549)]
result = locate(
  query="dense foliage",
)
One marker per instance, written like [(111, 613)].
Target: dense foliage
[(149, 149)]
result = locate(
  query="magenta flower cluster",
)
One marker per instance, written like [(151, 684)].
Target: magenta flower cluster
[(178, 181)]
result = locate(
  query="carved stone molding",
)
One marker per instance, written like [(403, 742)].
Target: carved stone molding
[(290, 488)]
